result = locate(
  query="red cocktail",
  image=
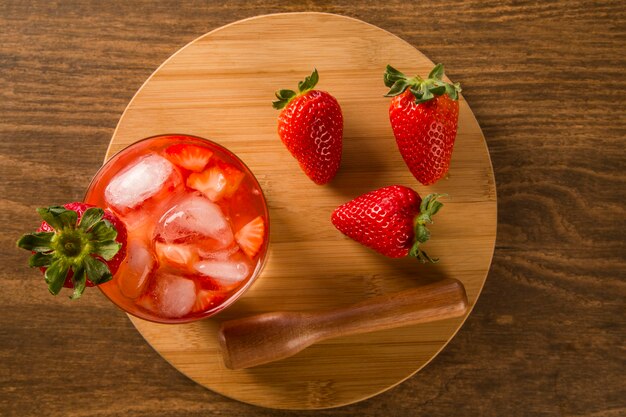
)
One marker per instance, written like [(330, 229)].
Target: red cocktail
[(197, 227)]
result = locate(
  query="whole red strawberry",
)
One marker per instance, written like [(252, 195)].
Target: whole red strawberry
[(391, 220), (311, 127), (77, 245), (424, 115)]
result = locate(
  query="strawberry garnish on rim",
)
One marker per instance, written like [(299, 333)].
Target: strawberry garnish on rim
[(251, 236), (216, 182), (191, 157), (77, 245)]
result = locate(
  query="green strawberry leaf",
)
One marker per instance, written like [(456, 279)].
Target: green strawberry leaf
[(285, 96), (40, 259), (309, 82), (91, 216), (278, 104), (397, 88), (427, 95), (97, 271), (55, 275), (392, 75), (58, 217), (437, 90), (103, 231), (428, 208), (37, 242), (417, 91), (423, 89), (435, 207), (420, 255), (422, 234), (437, 72), (79, 281), (107, 249), (453, 90)]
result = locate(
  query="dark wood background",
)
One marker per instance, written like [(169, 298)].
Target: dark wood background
[(546, 81)]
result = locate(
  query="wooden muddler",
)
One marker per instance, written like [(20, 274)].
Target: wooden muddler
[(268, 337)]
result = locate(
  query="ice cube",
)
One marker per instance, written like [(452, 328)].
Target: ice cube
[(226, 273), (133, 275), (175, 295), (221, 254), (140, 181), (195, 219)]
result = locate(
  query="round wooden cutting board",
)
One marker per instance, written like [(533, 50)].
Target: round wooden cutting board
[(220, 87)]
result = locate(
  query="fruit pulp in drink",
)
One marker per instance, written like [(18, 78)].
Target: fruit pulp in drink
[(197, 227)]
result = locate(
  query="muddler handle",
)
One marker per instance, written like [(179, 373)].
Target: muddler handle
[(263, 338)]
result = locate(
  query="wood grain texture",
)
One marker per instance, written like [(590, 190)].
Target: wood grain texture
[(213, 88), (547, 336)]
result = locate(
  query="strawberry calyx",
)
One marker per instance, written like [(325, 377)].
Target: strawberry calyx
[(423, 89), (81, 247), (285, 96), (428, 208)]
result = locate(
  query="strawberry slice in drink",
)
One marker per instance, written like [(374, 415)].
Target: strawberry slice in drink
[(218, 181), (250, 237), (176, 255), (206, 299), (191, 157)]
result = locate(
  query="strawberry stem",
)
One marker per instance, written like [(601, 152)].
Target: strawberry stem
[(285, 96), (428, 208), (422, 89), (80, 248)]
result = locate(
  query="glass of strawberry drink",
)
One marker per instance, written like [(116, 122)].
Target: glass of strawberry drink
[(197, 225)]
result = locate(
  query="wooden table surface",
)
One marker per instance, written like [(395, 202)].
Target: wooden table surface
[(545, 81)]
